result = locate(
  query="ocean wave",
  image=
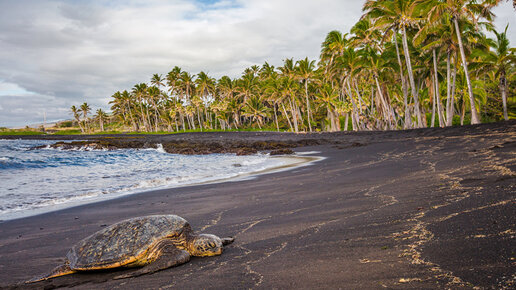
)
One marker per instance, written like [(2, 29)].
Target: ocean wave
[(43, 179), (159, 148)]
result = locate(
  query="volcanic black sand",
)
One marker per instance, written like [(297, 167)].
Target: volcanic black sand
[(429, 208)]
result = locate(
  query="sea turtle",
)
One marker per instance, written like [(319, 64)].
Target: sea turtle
[(152, 242)]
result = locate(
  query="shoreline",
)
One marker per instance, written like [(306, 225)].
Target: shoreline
[(429, 208), (290, 162)]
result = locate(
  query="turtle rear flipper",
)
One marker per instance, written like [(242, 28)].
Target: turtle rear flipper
[(58, 271)]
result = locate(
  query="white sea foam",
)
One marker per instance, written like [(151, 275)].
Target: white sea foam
[(160, 148)]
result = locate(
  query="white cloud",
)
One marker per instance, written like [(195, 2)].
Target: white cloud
[(68, 52)]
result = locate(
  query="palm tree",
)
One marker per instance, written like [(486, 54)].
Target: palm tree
[(256, 110), (77, 117), (305, 71), (154, 96), (397, 15), (461, 10), (85, 109), (328, 100), (333, 46), (157, 80), (172, 78), (206, 90), (140, 92), (101, 116), (499, 60)]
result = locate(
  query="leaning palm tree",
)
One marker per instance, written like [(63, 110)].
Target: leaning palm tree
[(76, 115), (333, 46)]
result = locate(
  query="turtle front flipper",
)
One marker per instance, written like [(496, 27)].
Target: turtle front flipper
[(168, 256), (58, 271)]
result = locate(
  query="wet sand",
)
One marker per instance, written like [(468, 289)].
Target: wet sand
[(430, 208)]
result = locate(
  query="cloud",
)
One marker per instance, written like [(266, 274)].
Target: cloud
[(62, 53)]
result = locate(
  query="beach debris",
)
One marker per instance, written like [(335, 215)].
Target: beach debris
[(408, 280), (365, 261), (152, 243)]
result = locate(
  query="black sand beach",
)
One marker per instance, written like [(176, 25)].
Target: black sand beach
[(429, 208)]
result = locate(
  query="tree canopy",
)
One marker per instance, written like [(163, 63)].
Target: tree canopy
[(404, 64)]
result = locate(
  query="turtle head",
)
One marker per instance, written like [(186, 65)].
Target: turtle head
[(205, 245)]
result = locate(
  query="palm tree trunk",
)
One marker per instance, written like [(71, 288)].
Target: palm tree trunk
[(503, 91), (432, 90), (294, 116), (474, 115), (354, 115), (276, 117), (156, 117), (437, 93), (149, 124), (449, 104), (80, 125), (199, 119), (385, 108), (407, 122), (411, 78), (454, 89), (308, 105), (355, 86), (286, 116)]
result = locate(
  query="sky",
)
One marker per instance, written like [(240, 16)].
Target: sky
[(56, 53)]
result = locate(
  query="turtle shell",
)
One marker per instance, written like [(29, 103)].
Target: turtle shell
[(122, 243)]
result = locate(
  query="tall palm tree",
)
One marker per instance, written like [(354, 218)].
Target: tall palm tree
[(305, 71), (172, 78), (154, 97), (85, 109)]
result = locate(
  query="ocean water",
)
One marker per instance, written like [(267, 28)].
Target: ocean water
[(33, 181)]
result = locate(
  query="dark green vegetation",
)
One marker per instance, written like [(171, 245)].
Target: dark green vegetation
[(405, 64)]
